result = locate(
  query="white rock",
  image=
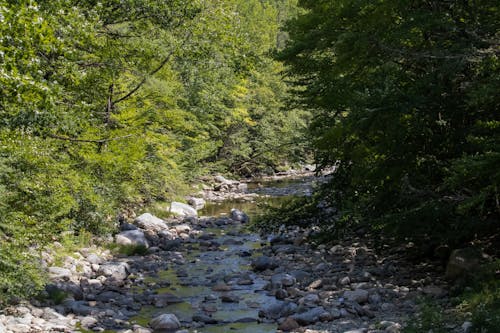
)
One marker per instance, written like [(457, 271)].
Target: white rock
[(182, 209), (197, 203), (182, 228), (165, 321), (150, 222), (131, 237), (467, 327), (59, 272)]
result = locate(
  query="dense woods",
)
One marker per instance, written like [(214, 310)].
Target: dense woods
[(107, 105), (406, 105)]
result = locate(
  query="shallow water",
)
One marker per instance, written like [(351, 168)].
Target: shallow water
[(192, 280)]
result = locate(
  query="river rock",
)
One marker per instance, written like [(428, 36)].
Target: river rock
[(150, 222), (182, 209), (311, 316), (59, 272), (131, 237), (79, 308), (278, 310), (116, 270), (462, 262), (264, 262), (288, 325), (167, 321), (358, 296), (197, 203), (239, 216)]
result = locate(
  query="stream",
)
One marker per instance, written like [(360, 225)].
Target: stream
[(210, 282)]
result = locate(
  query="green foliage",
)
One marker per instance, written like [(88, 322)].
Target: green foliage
[(430, 317), (106, 105), (481, 298), (405, 103)]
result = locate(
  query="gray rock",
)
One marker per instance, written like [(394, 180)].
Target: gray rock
[(167, 321), (462, 262), (182, 209), (149, 222), (80, 308), (116, 270), (127, 226), (310, 317), (197, 203), (358, 296), (206, 319), (59, 273), (310, 299), (263, 262), (282, 280), (94, 259), (467, 327), (131, 237), (278, 310), (239, 216)]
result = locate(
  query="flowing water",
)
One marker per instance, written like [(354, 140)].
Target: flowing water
[(199, 268)]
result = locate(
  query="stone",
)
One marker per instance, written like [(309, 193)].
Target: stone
[(467, 327), (288, 325), (59, 272), (88, 322), (278, 310), (310, 317), (162, 300), (239, 216), (196, 203), (127, 226), (310, 299), (263, 262), (229, 298), (93, 258), (115, 270), (358, 296), (182, 228), (282, 280), (281, 294), (79, 308), (434, 291), (166, 321), (462, 262), (206, 319), (150, 222), (182, 209), (131, 237)]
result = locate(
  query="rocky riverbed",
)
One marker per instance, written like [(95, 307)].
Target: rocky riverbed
[(211, 274)]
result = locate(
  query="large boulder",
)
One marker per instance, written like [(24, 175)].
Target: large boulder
[(166, 322), (182, 209), (131, 237), (462, 262), (150, 222)]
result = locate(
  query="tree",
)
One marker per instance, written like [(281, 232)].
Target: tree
[(404, 106)]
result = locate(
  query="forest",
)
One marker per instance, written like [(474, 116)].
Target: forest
[(108, 106)]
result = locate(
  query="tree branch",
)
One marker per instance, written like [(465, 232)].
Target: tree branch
[(153, 72)]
